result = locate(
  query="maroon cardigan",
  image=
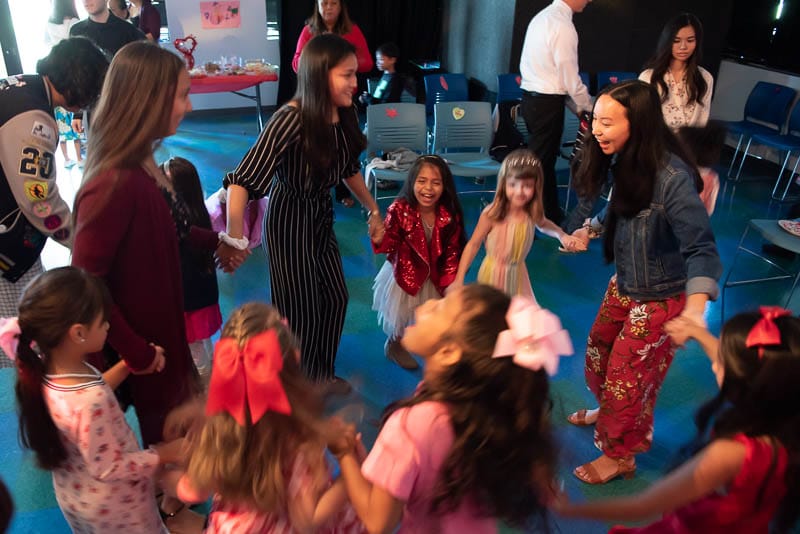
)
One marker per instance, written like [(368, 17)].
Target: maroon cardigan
[(125, 234)]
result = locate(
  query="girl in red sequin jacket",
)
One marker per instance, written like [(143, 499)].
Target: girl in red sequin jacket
[(423, 240)]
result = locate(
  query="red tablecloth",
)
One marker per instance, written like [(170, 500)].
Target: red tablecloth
[(222, 84)]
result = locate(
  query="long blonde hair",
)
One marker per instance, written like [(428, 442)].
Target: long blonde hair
[(134, 109), (523, 165), (250, 464)]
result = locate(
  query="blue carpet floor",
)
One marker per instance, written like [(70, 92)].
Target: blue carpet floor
[(570, 285)]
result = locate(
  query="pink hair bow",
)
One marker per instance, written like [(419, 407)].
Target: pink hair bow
[(535, 338), (765, 331), (9, 336)]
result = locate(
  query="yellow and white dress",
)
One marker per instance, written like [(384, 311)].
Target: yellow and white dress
[(507, 246)]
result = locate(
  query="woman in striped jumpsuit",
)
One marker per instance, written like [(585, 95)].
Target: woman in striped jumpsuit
[(310, 144)]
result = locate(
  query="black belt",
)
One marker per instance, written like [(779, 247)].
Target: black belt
[(542, 95)]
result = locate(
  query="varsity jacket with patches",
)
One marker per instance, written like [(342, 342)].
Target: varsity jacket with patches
[(30, 207)]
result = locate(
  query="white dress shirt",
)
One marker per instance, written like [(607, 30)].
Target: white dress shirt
[(677, 109), (549, 62)]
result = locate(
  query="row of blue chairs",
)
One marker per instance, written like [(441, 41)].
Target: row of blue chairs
[(508, 85), (462, 134), (765, 114), (452, 87)]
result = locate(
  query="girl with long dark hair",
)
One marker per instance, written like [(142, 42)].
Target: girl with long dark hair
[(331, 16), (68, 415), (684, 86), (474, 444), (423, 243), (310, 144), (197, 242), (745, 477), (659, 237)]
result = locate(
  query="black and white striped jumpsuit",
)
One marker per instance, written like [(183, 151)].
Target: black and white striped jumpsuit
[(305, 265)]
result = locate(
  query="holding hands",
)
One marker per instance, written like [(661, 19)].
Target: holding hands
[(376, 228), (229, 258), (172, 452), (586, 232), (685, 327), (158, 363), (343, 439), (185, 421), (573, 243), (582, 235)]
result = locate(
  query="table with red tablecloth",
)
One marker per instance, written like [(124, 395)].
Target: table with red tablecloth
[(234, 83)]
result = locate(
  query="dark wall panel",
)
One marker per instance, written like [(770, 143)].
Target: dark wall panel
[(622, 34), (415, 25)]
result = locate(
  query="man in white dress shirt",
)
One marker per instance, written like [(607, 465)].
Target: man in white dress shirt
[(549, 68)]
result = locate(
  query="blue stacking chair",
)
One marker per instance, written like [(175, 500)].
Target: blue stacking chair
[(444, 88), (462, 134), (587, 81), (508, 87), (608, 77), (764, 113), (788, 142), (393, 126)]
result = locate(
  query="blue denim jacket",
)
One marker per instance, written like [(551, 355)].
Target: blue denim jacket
[(669, 247)]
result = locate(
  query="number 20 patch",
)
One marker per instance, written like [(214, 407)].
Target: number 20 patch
[(36, 162)]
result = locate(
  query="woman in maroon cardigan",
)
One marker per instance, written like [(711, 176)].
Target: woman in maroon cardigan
[(125, 233)]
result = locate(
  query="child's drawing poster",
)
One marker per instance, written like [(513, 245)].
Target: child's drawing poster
[(220, 14)]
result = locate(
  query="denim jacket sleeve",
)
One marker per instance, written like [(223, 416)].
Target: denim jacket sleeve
[(690, 224), (598, 222)]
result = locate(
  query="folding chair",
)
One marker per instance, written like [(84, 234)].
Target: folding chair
[(608, 77), (444, 88), (772, 232), (764, 113), (462, 134), (393, 126), (788, 142), (508, 87)]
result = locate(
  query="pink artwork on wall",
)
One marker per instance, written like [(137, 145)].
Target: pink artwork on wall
[(220, 14)]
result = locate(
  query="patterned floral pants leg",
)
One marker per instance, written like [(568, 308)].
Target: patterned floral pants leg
[(627, 357)]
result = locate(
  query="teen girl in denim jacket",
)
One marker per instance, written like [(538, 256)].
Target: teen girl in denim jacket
[(658, 234)]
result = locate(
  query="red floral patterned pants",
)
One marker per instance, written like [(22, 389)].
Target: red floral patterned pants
[(627, 357)]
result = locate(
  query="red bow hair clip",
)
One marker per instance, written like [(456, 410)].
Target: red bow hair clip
[(248, 377), (765, 332)]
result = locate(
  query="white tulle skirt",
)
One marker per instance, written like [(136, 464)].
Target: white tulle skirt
[(395, 307)]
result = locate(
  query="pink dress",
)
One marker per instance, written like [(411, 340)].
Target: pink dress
[(405, 461), (106, 483), (737, 511), (241, 518)]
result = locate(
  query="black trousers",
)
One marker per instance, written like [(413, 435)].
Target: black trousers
[(544, 117), (306, 276)]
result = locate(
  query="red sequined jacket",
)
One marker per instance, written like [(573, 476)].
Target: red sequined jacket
[(407, 250)]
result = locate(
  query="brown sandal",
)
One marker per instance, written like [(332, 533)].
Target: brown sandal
[(626, 468), (579, 418)]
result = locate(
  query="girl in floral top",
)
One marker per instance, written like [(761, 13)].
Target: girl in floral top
[(68, 413), (684, 86)]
